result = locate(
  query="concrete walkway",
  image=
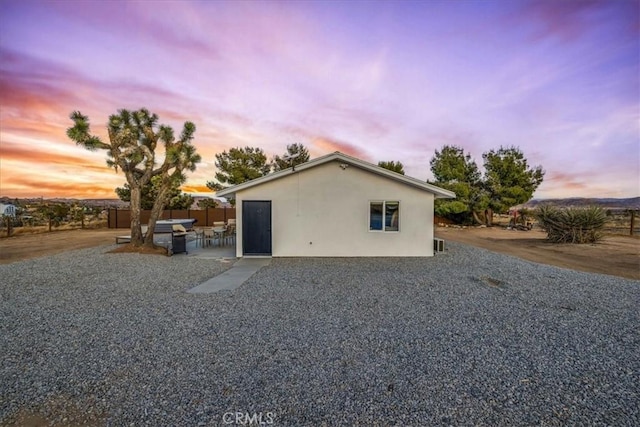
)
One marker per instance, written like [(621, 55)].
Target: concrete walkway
[(233, 277)]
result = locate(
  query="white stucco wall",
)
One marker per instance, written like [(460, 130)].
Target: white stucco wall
[(324, 211)]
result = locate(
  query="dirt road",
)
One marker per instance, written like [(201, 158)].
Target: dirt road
[(25, 246), (617, 255)]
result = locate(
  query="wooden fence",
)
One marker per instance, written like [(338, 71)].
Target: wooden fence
[(121, 218)]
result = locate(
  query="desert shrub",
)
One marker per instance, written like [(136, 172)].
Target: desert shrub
[(572, 225)]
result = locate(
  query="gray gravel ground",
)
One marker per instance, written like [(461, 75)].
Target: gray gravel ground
[(465, 338)]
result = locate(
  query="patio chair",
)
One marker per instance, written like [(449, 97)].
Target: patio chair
[(219, 233), (198, 234), (208, 236), (230, 234)]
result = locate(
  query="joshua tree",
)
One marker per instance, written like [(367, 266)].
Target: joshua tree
[(133, 138)]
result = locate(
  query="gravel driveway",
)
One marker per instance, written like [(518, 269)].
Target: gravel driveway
[(469, 337)]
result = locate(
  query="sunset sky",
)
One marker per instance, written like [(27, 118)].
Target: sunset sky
[(378, 80)]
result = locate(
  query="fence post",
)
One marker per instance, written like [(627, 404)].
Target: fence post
[(633, 218)]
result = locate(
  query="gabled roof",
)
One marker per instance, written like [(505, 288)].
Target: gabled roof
[(439, 193)]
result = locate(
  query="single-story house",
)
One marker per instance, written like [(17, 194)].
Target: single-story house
[(7, 210), (334, 206)]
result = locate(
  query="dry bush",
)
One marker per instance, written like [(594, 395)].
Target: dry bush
[(37, 229), (572, 225)]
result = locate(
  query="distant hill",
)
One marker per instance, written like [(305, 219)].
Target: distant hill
[(608, 203), (103, 203)]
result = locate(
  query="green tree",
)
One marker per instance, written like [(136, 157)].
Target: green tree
[(78, 212), (133, 139), (54, 214), (176, 199), (207, 203), (239, 165), (296, 155), (181, 201), (392, 166), (146, 197), (456, 171), (508, 179)]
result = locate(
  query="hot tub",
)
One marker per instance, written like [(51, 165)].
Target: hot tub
[(166, 225)]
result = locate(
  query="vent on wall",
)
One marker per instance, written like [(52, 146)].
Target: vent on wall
[(438, 245)]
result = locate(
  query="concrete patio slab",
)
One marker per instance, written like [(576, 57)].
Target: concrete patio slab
[(231, 279)]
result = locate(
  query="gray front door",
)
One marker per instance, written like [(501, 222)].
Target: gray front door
[(256, 227)]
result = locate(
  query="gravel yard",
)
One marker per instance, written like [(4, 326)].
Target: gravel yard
[(468, 337)]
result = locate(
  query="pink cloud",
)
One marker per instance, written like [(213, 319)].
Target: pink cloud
[(134, 21), (393, 87), (564, 19), (567, 180), (26, 87), (348, 119), (329, 145), (570, 20), (25, 186), (37, 156)]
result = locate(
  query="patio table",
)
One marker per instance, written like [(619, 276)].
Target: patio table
[(219, 232)]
